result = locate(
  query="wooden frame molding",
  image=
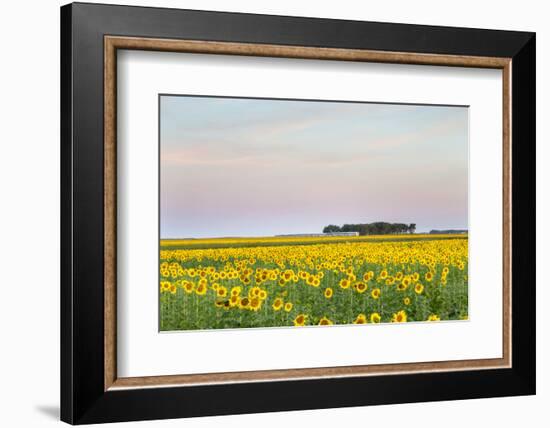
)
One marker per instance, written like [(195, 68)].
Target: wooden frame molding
[(113, 43)]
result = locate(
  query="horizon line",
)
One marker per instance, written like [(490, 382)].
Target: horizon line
[(305, 233)]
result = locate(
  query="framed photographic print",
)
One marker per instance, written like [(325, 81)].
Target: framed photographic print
[(265, 213)]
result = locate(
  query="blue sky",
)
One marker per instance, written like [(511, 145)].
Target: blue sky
[(249, 167)]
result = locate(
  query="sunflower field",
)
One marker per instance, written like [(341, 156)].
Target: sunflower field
[(276, 282)]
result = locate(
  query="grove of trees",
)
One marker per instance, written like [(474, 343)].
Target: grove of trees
[(377, 228)]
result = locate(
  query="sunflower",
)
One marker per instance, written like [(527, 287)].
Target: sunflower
[(325, 321), (243, 304), (407, 301), (235, 291), (375, 317), (375, 293), (277, 304), (400, 316), (234, 301), (201, 289), (173, 289), (429, 276), (361, 319), (300, 320), (164, 286), (288, 274), (255, 303), (418, 288), (384, 274), (288, 306), (360, 287), (188, 287), (329, 293), (221, 291), (434, 317), (344, 283)]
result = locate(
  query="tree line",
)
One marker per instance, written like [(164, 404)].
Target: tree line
[(377, 228)]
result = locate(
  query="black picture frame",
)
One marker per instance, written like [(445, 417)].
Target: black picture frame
[(83, 398)]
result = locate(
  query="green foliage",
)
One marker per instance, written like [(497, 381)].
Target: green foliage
[(447, 298), (377, 228)]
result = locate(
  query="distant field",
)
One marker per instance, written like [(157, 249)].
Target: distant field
[(292, 240), (297, 281)]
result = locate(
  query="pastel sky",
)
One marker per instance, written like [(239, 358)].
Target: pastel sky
[(259, 167)]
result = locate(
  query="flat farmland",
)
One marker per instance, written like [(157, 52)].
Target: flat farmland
[(312, 280)]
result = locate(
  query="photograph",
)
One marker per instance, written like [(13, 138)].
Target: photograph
[(282, 212), (277, 210)]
